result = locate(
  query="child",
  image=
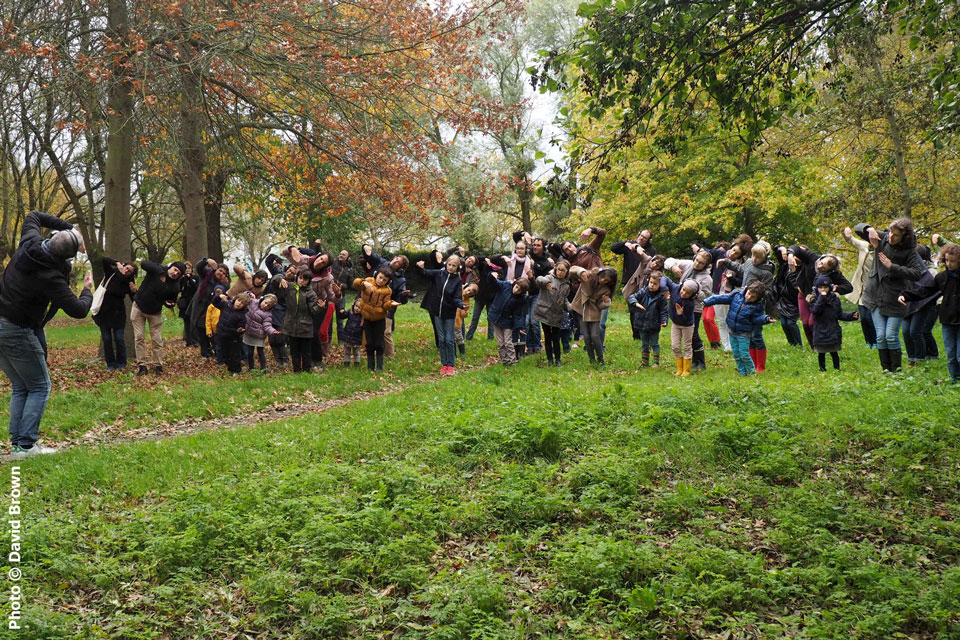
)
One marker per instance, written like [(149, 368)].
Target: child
[(469, 292), (351, 336), (259, 327), (211, 318), (302, 308), (231, 327), (682, 298), (947, 283), (746, 312), (447, 288), (826, 311), (552, 305), (508, 312), (593, 297), (375, 303), (648, 308)]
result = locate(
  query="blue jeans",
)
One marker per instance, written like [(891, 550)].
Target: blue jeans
[(478, 307), (114, 348), (918, 334), (756, 338), (951, 344), (650, 341), (22, 360), (866, 324), (740, 343), (445, 340), (792, 331), (603, 324), (888, 330), (534, 342)]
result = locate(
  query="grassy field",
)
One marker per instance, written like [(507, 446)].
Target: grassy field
[(523, 503)]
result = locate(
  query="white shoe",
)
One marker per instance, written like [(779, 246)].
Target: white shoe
[(36, 450)]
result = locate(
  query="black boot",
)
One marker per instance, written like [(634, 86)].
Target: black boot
[(379, 362), (896, 359), (462, 348), (884, 359), (371, 362), (699, 361)]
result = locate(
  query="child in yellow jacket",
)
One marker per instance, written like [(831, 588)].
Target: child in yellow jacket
[(210, 325), (375, 303)]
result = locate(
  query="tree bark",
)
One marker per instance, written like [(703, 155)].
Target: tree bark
[(214, 184), (191, 163), (120, 139)]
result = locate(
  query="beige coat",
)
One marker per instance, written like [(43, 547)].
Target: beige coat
[(588, 301), (864, 263)]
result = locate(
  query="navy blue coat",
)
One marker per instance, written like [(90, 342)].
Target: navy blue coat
[(655, 309), (827, 314)]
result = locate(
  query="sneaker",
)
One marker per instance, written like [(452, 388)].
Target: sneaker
[(37, 449), (142, 371)]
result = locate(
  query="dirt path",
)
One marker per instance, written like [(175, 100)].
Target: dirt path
[(114, 434)]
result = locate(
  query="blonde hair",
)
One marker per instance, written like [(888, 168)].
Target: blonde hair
[(759, 251)]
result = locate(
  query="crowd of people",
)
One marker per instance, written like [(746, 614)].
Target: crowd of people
[(543, 296)]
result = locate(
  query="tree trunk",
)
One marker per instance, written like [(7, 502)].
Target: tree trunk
[(214, 184), (120, 141), (191, 164)]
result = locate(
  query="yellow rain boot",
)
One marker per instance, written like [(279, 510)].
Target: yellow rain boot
[(679, 371), (686, 367)]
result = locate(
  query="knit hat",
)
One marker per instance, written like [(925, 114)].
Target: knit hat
[(178, 265), (822, 281), (691, 285), (63, 244)]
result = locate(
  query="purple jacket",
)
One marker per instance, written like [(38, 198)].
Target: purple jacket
[(259, 322)]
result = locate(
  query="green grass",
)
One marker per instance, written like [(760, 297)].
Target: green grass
[(525, 503)]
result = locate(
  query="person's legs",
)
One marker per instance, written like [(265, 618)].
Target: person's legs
[(447, 347), (687, 335), (22, 360), (156, 337), (593, 336), (232, 352), (262, 358), (106, 339), (835, 356), (806, 318), (822, 361), (296, 358), (655, 347), (475, 318), (911, 331), (504, 337), (534, 339), (139, 321), (388, 327), (120, 348), (549, 336), (741, 353), (720, 313), (951, 345), (710, 327), (699, 359), (371, 347), (928, 320), (759, 348), (880, 325), (645, 337), (603, 329), (791, 331), (866, 325)]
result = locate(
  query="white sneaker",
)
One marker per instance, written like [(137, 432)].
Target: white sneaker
[(36, 450)]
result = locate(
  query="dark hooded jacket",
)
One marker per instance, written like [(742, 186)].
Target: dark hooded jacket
[(885, 284), (36, 283)]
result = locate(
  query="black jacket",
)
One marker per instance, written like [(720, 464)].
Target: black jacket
[(342, 273), (113, 310), (806, 272), (827, 314), (631, 261), (655, 311), (449, 293), (231, 320), (947, 284), (156, 288), (885, 284), (36, 280)]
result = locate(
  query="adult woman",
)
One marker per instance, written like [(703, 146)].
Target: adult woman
[(112, 316), (896, 264), (859, 279), (36, 278)]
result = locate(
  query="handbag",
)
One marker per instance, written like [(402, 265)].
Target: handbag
[(99, 295)]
